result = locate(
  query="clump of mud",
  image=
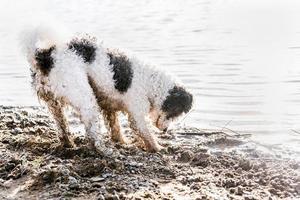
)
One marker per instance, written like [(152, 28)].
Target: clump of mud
[(195, 165)]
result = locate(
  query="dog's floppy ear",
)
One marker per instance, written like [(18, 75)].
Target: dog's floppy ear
[(177, 102)]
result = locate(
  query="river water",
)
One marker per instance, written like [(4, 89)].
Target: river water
[(241, 59)]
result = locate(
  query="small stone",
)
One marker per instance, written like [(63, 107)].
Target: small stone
[(8, 183), (239, 190), (97, 185), (185, 156), (231, 190), (16, 131), (245, 165), (65, 171), (115, 197), (100, 197), (147, 195), (201, 159), (111, 197), (250, 197), (73, 183), (97, 179), (229, 183), (24, 112)]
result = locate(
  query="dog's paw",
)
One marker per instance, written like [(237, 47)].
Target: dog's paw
[(154, 148), (67, 142), (119, 139)]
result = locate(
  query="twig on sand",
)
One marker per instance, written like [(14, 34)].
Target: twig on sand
[(295, 131), (226, 125), (236, 134), (199, 133), (182, 120)]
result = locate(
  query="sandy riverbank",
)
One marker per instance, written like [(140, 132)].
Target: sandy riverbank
[(197, 165)]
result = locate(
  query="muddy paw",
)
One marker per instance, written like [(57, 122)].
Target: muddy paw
[(67, 143), (119, 139), (154, 148)]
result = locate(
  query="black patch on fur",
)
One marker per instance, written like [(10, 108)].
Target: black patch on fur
[(84, 47), (177, 102), (123, 72), (44, 59)]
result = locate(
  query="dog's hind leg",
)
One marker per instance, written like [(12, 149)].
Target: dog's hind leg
[(83, 100), (56, 108), (69, 80), (112, 122), (109, 112)]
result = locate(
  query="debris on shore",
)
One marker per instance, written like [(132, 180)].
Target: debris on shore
[(196, 164)]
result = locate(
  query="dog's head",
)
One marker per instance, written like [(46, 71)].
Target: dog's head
[(178, 101)]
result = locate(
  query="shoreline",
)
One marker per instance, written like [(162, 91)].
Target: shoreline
[(197, 164)]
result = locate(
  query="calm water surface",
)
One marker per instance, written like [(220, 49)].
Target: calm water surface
[(241, 59)]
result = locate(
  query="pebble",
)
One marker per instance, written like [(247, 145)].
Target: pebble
[(73, 183), (111, 197), (100, 197), (65, 171), (16, 131), (201, 159), (185, 156), (97, 179), (8, 183), (239, 190)]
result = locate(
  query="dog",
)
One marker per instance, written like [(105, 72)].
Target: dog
[(91, 78), (125, 83)]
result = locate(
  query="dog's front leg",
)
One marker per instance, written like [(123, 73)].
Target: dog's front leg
[(139, 123)]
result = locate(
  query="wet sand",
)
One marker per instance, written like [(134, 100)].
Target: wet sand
[(196, 164)]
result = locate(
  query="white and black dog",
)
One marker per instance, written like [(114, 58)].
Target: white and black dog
[(82, 73)]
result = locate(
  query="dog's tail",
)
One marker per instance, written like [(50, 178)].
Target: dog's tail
[(37, 39)]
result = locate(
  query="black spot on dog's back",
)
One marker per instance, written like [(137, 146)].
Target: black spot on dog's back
[(84, 47), (122, 69), (177, 102), (44, 59)]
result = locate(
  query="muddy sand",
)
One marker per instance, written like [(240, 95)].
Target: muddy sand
[(196, 164)]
